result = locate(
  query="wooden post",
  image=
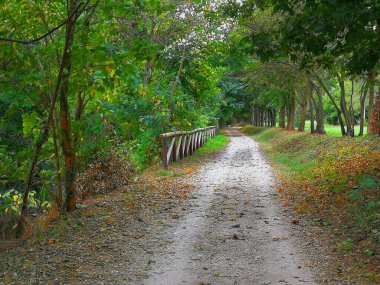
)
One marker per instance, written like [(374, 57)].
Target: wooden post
[(165, 162), (183, 144), (178, 150), (174, 154)]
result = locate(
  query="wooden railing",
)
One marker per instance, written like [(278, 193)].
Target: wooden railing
[(178, 145)]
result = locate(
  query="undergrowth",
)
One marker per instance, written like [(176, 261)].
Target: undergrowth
[(335, 181)]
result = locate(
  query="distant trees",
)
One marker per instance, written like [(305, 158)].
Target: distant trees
[(330, 45)]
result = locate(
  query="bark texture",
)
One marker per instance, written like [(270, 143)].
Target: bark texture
[(374, 122)]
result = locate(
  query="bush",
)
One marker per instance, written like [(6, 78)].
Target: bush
[(145, 149), (105, 174), (10, 208)]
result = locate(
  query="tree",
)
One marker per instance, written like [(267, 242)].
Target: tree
[(329, 29)]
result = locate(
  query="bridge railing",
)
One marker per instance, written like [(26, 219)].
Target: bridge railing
[(180, 144)]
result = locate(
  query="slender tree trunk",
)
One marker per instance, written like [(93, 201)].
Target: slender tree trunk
[(371, 100), (270, 117), (338, 110), (79, 109), (374, 122), (311, 103), (65, 121), (282, 117), (43, 137), (320, 113), (363, 97), (343, 106), (291, 115), (308, 90), (352, 112), (266, 114), (44, 134), (59, 198)]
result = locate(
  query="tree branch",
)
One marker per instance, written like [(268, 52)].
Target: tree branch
[(27, 42), (48, 33)]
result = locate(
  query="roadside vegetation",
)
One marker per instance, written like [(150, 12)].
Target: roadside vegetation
[(189, 165), (334, 182), (87, 87)]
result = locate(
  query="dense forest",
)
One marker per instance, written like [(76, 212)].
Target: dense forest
[(91, 84)]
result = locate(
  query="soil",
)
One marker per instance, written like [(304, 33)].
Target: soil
[(230, 230)]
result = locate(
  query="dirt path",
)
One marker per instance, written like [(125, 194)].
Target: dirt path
[(230, 230), (233, 232)]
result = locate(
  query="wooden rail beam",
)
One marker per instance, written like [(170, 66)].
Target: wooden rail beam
[(184, 143)]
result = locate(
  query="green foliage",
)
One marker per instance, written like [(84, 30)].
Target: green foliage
[(322, 32), (144, 149), (138, 69), (347, 244), (10, 202), (164, 173)]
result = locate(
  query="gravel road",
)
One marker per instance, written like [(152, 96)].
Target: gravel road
[(234, 231)]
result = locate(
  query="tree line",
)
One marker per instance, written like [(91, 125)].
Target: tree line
[(309, 59)]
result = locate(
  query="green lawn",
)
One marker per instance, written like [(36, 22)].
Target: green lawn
[(334, 130)]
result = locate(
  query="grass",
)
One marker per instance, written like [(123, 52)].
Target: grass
[(214, 145), (333, 130), (164, 173), (333, 180), (186, 166)]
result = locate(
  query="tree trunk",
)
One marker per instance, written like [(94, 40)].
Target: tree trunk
[(371, 100), (291, 115), (59, 198), (352, 112), (308, 90), (311, 103), (320, 113), (79, 109), (363, 97), (44, 134), (339, 111), (66, 135), (265, 118), (257, 114), (374, 122), (43, 137), (343, 107), (282, 117)]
